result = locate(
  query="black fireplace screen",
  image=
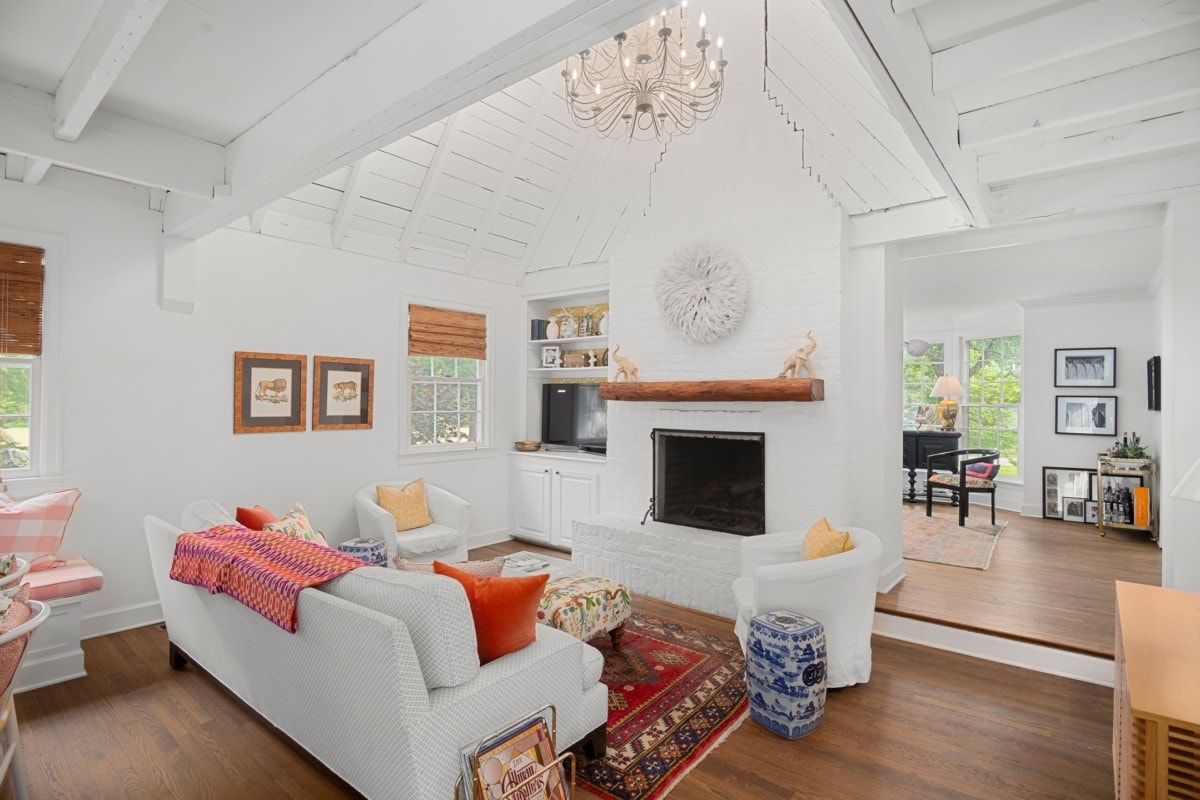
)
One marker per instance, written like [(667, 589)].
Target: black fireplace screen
[(710, 479)]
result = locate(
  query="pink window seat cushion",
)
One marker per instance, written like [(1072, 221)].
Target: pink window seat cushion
[(73, 577)]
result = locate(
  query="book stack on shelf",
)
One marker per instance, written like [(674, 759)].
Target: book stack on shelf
[(518, 763)]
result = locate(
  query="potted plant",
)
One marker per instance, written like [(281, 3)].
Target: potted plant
[(1128, 453)]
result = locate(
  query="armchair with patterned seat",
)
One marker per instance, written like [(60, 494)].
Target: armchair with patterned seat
[(974, 470)]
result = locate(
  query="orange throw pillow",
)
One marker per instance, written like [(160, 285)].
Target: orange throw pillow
[(504, 609), (254, 518)]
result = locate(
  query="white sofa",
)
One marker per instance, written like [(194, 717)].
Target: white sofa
[(381, 682), (838, 591), (444, 540)]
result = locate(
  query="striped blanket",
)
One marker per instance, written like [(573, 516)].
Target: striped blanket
[(262, 570)]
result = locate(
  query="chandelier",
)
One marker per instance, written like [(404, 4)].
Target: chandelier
[(648, 82)]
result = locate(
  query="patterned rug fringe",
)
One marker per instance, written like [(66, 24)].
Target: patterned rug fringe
[(708, 748)]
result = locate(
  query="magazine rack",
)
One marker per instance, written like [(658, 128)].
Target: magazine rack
[(472, 761)]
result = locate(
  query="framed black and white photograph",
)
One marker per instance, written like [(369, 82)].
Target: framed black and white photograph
[(1154, 383), (1091, 511), (1088, 416), (1074, 509), (1061, 486), (550, 354), (1093, 366)]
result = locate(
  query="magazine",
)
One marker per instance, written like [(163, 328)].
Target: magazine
[(504, 763), (526, 562)]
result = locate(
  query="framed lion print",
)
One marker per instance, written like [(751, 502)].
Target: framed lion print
[(269, 392), (343, 393)]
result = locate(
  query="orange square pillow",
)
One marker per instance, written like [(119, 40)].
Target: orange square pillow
[(504, 609), (825, 540), (254, 518)]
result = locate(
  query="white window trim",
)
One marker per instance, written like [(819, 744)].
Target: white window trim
[(47, 391), (409, 453), (989, 332)]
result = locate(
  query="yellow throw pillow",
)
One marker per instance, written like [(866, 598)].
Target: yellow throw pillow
[(824, 540), (406, 505)]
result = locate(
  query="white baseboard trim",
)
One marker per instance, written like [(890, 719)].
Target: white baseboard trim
[(485, 538), (120, 619), (890, 576), (1080, 667)]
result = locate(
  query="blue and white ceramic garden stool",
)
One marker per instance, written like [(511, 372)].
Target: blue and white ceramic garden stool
[(785, 673), (372, 551)]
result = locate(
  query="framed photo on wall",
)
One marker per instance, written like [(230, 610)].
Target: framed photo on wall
[(1154, 383), (1093, 366), (343, 393), (269, 392), (1088, 416)]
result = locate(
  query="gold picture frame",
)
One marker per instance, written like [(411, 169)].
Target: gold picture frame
[(343, 393), (270, 392)]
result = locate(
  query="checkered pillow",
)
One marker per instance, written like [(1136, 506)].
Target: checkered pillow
[(34, 528)]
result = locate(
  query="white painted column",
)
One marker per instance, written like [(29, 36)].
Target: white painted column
[(873, 330)]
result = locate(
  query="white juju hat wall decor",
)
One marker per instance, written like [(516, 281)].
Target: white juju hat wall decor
[(702, 291)]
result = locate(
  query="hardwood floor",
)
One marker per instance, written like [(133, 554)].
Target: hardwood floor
[(928, 724), (1049, 582)]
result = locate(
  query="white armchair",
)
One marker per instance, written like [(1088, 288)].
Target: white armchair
[(444, 540), (838, 591)]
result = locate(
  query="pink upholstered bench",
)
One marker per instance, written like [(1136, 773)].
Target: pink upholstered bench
[(54, 653)]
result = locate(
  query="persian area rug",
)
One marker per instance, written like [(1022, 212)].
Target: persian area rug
[(674, 693), (940, 540)]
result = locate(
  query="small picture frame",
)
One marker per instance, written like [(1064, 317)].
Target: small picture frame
[(1074, 509), (550, 355), (343, 393), (1091, 366), (1091, 511), (1154, 383), (1086, 416), (269, 392)]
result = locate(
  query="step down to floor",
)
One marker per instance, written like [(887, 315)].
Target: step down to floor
[(993, 647)]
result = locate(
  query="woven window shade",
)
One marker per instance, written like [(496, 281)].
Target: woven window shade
[(441, 332), (21, 276)]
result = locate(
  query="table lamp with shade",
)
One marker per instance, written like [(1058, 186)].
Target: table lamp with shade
[(948, 388)]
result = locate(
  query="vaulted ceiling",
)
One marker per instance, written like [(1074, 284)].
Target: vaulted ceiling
[(371, 133)]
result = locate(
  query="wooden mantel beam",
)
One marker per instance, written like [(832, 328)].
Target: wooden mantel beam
[(762, 390)]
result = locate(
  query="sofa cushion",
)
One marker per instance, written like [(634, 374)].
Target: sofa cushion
[(254, 518), (504, 609), (406, 504), (430, 539), (491, 568), (295, 523), (434, 609), (74, 577)]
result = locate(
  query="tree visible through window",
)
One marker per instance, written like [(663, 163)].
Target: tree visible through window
[(920, 374), (16, 411), (445, 400), (993, 402)]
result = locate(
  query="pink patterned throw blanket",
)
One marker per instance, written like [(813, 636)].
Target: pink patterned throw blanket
[(262, 570)]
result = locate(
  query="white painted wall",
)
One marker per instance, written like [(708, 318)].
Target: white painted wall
[(1120, 322), (148, 393), (1180, 519)]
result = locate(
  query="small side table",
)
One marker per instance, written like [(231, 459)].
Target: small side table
[(372, 551), (785, 673)]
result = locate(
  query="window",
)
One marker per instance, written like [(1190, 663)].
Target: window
[(920, 374), (447, 370), (22, 274), (16, 412), (993, 402)]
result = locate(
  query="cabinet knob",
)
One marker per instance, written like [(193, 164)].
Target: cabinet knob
[(546, 470), (556, 472)]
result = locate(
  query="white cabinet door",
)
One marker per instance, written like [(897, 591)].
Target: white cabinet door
[(576, 495), (532, 492)]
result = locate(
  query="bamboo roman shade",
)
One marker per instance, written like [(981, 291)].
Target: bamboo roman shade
[(442, 332), (21, 276)]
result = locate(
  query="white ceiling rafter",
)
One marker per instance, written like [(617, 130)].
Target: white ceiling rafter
[(118, 30), (584, 143), (35, 170), (421, 204), (538, 108), (345, 210)]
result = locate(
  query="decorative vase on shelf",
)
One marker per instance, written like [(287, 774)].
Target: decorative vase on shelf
[(568, 330), (602, 328), (552, 328)]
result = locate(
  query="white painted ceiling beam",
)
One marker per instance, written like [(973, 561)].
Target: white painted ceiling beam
[(950, 23), (1056, 37), (893, 51), (1170, 81), (14, 167), (903, 222), (35, 170), (900, 6), (421, 204), (345, 210), (1172, 132), (118, 30), (116, 146), (1140, 182), (400, 81)]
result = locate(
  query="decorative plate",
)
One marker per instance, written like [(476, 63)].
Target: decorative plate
[(702, 291)]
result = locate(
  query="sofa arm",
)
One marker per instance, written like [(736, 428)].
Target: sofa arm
[(771, 548), (447, 508)]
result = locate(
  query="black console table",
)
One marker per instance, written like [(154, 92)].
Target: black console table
[(919, 445)]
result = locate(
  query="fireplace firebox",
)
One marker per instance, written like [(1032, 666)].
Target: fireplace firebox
[(710, 479)]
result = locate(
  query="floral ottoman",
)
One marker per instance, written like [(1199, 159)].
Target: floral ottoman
[(586, 606)]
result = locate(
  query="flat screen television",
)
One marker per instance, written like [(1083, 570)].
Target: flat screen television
[(574, 415)]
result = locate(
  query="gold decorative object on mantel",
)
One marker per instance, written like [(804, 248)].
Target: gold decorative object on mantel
[(799, 360)]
